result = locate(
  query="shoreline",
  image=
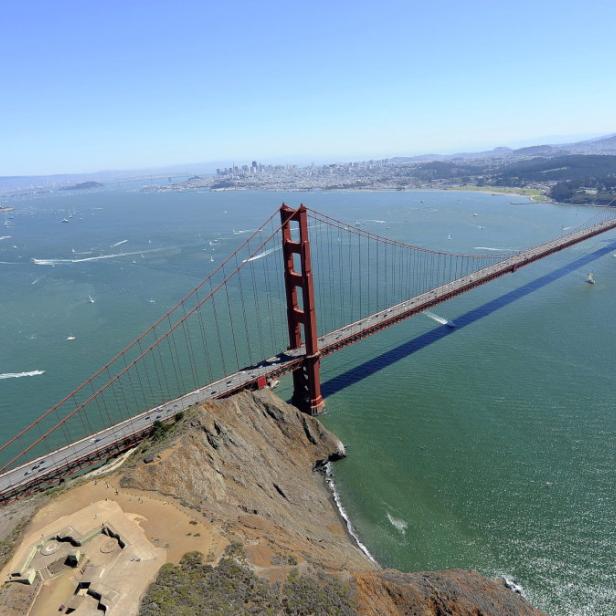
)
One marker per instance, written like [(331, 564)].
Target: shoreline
[(345, 518), (241, 472)]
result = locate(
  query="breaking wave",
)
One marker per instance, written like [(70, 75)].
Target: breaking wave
[(512, 585), (18, 375), (329, 479)]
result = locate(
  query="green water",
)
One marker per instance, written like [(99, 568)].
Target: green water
[(489, 446)]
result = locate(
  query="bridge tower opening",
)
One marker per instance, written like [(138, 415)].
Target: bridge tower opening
[(301, 318)]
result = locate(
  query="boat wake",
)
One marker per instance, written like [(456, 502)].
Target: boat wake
[(241, 231), (397, 523), (438, 319), (491, 249), (97, 258), (261, 255), (118, 244), (5, 237), (18, 375)]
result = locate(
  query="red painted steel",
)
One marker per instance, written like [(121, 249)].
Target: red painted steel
[(306, 379), (302, 320)]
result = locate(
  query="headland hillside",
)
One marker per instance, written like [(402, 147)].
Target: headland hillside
[(225, 510)]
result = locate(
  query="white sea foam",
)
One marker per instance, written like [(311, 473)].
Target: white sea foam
[(378, 222), (269, 251), (18, 375), (5, 237), (329, 478), (397, 523), (97, 258), (511, 584), (118, 244)]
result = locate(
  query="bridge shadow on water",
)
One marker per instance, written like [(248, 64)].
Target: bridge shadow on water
[(368, 368)]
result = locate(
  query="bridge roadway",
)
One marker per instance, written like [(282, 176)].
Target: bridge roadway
[(123, 435)]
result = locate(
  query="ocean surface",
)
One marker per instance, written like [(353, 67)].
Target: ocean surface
[(489, 446)]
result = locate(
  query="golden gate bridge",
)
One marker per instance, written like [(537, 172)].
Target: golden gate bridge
[(300, 287)]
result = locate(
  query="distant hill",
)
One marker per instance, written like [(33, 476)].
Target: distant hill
[(557, 168), (83, 186), (601, 145)]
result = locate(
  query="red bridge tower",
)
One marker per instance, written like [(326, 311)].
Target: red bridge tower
[(306, 379)]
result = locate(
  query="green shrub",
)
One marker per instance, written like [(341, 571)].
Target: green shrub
[(194, 588)]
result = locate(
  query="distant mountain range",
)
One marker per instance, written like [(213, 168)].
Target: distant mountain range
[(605, 145), (499, 166)]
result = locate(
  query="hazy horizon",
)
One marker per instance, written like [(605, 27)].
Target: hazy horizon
[(122, 86), (211, 165)]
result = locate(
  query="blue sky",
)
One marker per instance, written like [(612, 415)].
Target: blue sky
[(90, 85)]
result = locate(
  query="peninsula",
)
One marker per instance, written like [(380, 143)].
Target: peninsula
[(224, 510)]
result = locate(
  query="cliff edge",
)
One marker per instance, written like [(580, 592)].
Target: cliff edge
[(223, 510), (252, 463)]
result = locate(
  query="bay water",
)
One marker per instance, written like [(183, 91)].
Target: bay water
[(488, 446)]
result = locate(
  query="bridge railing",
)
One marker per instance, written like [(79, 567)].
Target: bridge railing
[(233, 318), (237, 317)]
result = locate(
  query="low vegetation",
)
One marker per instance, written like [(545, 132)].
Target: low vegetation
[(14, 519), (195, 588)]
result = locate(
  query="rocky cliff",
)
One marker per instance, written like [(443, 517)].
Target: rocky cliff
[(251, 464)]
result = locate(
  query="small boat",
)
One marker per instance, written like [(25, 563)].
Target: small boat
[(71, 338), (449, 237), (90, 299), (65, 220), (590, 279)]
